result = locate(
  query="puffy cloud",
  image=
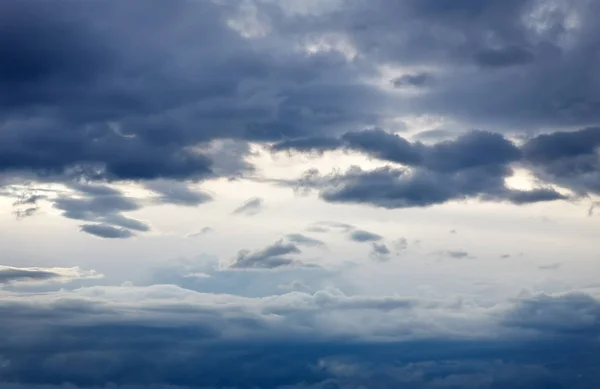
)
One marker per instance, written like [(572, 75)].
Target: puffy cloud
[(389, 187)]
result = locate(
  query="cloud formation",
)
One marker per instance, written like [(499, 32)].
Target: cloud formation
[(38, 275), (250, 208), (271, 257), (300, 334)]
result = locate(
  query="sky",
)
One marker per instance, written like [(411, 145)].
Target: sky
[(299, 194)]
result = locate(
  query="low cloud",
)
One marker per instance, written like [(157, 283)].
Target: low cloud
[(381, 342)]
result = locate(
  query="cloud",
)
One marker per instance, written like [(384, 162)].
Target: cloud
[(400, 244), (474, 165), (36, 275), (326, 226), (104, 206), (457, 254), (540, 341), (380, 251), (568, 159), (106, 231), (250, 208), (389, 187), (274, 256), (117, 110), (506, 56), (177, 193), (203, 231), (296, 286), (414, 80), (364, 236), (304, 240)]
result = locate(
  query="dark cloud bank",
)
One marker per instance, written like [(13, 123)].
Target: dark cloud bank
[(167, 337)]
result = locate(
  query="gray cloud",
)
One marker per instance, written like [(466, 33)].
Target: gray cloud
[(457, 254), (104, 206), (326, 226), (380, 251), (203, 231), (401, 244), (117, 109), (177, 193), (301, 239), (106, 231), (10, 275), (274, 256), (474, 165), (537, 342), (399, 188), (415, 80), (364, 236), (551, 266), (13, 274), (251, 207)]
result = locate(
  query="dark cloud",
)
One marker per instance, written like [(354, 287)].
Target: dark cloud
[(415, 80), (104, 205), (364, 236), (109, 337), (251, 207), (304, 240), (568, 315), (107, 231), (274, 256), (389, 187), (314, 144), (133, 102), (177, 193), (568, 159), (34, 275), (474, 165), (506, 56), (14, 274)]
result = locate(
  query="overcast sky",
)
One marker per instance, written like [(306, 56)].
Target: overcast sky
[(299, 194)]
